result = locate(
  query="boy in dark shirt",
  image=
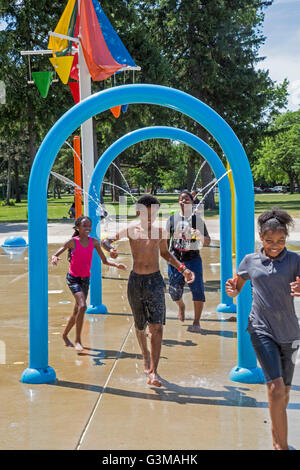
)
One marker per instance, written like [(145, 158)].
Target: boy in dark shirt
[(187, 231)]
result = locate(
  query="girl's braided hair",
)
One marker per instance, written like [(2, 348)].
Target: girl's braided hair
[(76, 232), (275, 219)]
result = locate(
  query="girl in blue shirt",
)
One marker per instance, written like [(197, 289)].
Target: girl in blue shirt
[(274, 273)]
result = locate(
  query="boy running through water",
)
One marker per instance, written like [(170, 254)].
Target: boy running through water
[(146, 287)]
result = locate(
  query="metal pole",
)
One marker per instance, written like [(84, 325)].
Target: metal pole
[(87, 148), (77, 176)]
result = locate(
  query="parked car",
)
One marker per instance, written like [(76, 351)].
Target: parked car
[(257, 189), (279, 189), (267, 190)]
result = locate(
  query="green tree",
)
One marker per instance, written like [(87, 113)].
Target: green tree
[(154, 161), (176, 176), (212, 49), (208, 49), (13, 155), (278, 158)]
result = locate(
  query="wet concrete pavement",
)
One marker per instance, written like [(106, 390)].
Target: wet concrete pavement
[(101, 399)]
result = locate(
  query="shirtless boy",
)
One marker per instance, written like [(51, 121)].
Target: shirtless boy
[(146, 287)]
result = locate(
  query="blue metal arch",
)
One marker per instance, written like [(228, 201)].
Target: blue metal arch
[(38, 370), (200, 146)]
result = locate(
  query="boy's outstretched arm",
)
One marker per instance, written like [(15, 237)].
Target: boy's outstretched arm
[(106, 243), (103, 257), (164, 253)]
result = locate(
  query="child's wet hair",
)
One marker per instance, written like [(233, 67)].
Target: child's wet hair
[(148, 200), (76, 232), (273, 220)]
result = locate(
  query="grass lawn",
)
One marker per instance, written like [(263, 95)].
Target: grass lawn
[(58, 208), (288, 202)]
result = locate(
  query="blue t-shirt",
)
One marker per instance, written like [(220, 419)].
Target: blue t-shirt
[(272, 312)]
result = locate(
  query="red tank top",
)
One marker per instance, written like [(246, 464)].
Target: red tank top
[(81, 259)]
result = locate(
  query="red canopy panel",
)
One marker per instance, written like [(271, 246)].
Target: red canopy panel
[(94, 47)]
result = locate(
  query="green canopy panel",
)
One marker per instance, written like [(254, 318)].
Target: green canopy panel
[(42, 81)]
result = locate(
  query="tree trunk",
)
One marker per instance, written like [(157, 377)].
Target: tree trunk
[(102, 194), (17, 183), (292, 183), (8, 188), (95, 144), (115, 180), (154, 189), (31, 134), (190, 172), (206, 177)]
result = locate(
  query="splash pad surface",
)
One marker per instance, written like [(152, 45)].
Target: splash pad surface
[(101, 400)]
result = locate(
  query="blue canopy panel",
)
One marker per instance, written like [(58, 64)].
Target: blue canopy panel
[(113, 42)]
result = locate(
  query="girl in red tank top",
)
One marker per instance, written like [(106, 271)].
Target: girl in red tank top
[(81, 247)]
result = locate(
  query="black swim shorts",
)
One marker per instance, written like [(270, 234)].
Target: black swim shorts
[(146, 296), (78, 284)]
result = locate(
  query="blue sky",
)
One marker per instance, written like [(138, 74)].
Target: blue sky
[(282, 46)]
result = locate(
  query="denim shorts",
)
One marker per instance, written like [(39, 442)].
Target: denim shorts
[(177, 281), (276, 359), (146, 296), (78, 284)]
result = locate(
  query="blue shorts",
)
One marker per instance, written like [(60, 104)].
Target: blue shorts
[(276, 359), (177, 281)]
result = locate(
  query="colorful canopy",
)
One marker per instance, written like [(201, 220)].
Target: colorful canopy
[(113, 42), (103, 50)]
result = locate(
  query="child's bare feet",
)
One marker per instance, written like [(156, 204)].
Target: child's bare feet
[(195, 329), (67, 341), (153, 380)]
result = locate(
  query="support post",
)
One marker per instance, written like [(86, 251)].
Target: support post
[(85, 90), (77, 176)]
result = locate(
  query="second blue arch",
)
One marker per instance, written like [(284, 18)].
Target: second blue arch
[(163, 132)]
